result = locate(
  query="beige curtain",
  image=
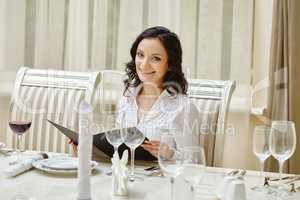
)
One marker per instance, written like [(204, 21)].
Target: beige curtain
[(283, 102), (97, 34)]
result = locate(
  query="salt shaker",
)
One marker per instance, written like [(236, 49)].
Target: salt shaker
[(236, 190), (223, 186)]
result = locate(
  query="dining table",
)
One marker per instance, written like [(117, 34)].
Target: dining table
[(36, 184)]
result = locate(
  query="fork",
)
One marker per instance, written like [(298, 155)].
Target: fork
[(156, 173), (152, 168), (293, 180), (233, 172), (283, 178)]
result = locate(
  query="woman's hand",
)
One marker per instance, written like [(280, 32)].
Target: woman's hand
[(74, 148), (152, 146)]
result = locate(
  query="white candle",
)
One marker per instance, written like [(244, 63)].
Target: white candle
[(84, 151)]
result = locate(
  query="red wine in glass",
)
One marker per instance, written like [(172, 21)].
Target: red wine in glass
[(19, 127), (19, 122)]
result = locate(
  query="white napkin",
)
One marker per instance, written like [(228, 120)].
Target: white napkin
[(23, 166), (120, 171), (84, 151)]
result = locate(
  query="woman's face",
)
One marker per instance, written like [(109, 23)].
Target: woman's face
[(151, 61)]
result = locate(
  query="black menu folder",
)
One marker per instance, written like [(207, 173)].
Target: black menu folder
[(100, 142)]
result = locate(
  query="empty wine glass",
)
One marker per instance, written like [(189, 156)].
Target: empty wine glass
[(132, 137), (282, 141), (112, 135), (194, 163), (261, 149), (170, 157), (114, 138), (19, 122)]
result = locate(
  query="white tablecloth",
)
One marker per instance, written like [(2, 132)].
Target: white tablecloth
[(38, 185)]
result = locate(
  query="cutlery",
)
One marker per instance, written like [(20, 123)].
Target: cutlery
[(156, 173), (266, 182), (283, 178), (293, 180), (293, 189), (233, 172), (109, 173), (242, 172), (152, 168)]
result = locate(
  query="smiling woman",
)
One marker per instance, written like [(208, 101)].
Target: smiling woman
[(155, 82)]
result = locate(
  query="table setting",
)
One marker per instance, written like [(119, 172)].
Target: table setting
[(150, 187), (180, 172)]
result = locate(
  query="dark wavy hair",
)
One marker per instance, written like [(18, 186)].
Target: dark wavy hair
[(174, 80)]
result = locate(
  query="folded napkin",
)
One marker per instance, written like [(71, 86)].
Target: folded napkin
[(84, 151), (119, 172), (24, 165)]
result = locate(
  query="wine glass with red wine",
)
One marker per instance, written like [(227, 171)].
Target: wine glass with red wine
[(19, 122)]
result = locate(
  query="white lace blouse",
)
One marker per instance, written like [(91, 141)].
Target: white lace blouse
[(176, 112)]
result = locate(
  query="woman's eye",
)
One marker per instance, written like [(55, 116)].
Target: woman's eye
[(156, 59), (139, 54)]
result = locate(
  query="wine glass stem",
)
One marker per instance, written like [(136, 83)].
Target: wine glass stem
[(115, 149), (18, 143), (132, 164), (262, 167), (281, 168), (172, 188)]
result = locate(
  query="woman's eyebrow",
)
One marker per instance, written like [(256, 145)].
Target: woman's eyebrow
[(156, 54)]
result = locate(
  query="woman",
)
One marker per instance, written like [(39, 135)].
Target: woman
[(155, 90)]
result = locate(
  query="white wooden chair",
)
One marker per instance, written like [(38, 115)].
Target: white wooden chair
[(55, 95), (212, 97)]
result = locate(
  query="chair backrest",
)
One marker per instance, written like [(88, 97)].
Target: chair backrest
[(55, 95), (213, 96)]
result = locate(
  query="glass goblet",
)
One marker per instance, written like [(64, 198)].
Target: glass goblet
[(194, 163), (19, 122), (133, 138), (170, 157), (261, 149)]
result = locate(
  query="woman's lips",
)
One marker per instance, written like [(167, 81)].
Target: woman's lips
[(148, 73)]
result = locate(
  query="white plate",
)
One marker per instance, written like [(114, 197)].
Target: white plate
[(65, 165)]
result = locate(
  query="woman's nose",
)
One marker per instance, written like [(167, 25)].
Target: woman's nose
[(144, 63)]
